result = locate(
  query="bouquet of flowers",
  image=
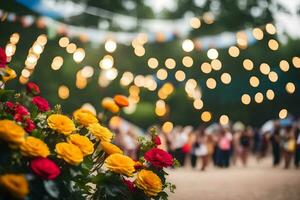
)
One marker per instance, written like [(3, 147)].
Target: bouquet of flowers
[(45, 154)]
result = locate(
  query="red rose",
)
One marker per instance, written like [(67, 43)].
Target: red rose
[(156, 140), (10, 105), (29, 125), (45, 168), (159, 158), (21, 110), (32, 88), (129, 185), (3, 58), (41, 103)]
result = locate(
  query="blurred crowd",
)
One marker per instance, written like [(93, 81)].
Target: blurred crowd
[(223, 145)]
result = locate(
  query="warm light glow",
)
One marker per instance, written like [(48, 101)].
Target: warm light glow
[(271, 29), (23, 80), (107, 62), (206, 68), (37, 48), (226, 78), (259, 97), (258, 33), (25, 73), (167, 127), (139, 80), (162, 74), (246, 99), (187, 61), (284, 65), (242, 40), (180, 75), (187, 45), (224, 120), (110, 46), (139, 51), (195, 22), (42, 40), (216, 64), (152, 63), (208, 18), (283, 113), (170, 63), (211, 83), (264, 68), (14, 38), (273, 76), (87, 71), (290, 87), (10, 49), (198, 104), (248, 64), (79, 55), (126, 79), (63, 92), (111, 74), (63, 42), (71, 48), (270, 94), (206, 116), (212, 54), (254, 81), (273, 44), (234, 51), (57, 62), (296, 61)]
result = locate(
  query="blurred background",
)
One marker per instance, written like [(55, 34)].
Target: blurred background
[(186, 62)]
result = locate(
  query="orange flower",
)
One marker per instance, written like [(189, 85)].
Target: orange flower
[(109, 104), (110, 148), (121, 101)]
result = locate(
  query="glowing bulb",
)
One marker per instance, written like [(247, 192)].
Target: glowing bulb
[(212, 54), (270, 28), (206, 68), (187, 61), (57, 62), (273, 44), (258, 33), (246, 99), (107, 62), (63, 42), (283, 113), (187, 45), (152, 63), (264, 68), (206, 116), (248, 64), (226, 78), (211, 83), (111, 74), (290, 87), (162, 74), (259, 97), (79, 55), (87, 71), (234, 51), (110, 46), (170, 63), (63, 92), (71, 48), (198, 104), (284, 65), (273, 76), (180, 75), (296, 62), (270, 94), (216, 64), (254, 81), (224, 120), (195, 22)]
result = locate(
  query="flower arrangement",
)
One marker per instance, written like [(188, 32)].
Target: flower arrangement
[(45, 154)]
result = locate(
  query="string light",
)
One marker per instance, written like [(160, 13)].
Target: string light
[(139, 51), (195, 22), (25, 73), (63, 42), (283, 113), (258, 34), (14, 38), (187, 61), (79, 55), (57, 62), (212, 54), (198, 104), (273, 44), (216, 64), (259, 97), (273, 76), (206, 68), (71, 48), (264, 68), (111, 74), (187, 45), (37, 48), (296, 61), (226, 78), (208, 18), (167, 127), (126, 79), (10, 49), (211, 83), (63, 92), (180, 75), (110, 46), (270, 94), (233, 51), (284, 65), (42, 40), (248, 64), (170, 63), (87, 71), (206, 116), (162, 74), (254, 81), (290, 87), (152, 63), (271, 29), (246, 99), (224, 120), (107, 62)]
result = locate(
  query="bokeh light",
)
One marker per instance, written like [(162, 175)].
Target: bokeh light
[(187, 45), (259, 97), (248, 64), (211, 83), (226, 78), (246, 99), (234, 51), (290, 87), (152, 63), (254, 81), (283, 113), (206, 116), (212, 54), (187, 61)]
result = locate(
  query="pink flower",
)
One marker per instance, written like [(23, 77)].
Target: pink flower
[(3, 58), (21, 110), (32, 88), (45, 168), (41, 103), (10, 105)]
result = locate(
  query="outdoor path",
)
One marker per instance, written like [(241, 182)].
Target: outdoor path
[(258, 181)]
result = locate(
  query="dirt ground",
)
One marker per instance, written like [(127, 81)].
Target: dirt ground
[(258, 181)]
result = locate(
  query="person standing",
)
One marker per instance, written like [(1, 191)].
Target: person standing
[(275, 142)]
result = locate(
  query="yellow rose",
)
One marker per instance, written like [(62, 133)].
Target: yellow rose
[(69, 152), (120, 164), (84, 117), (34, 147), (109, 104), (110, 148), (82, 142), (149, 182), (11, 132), (15, 184), (100, 132), (9, 74), (61, 124)]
